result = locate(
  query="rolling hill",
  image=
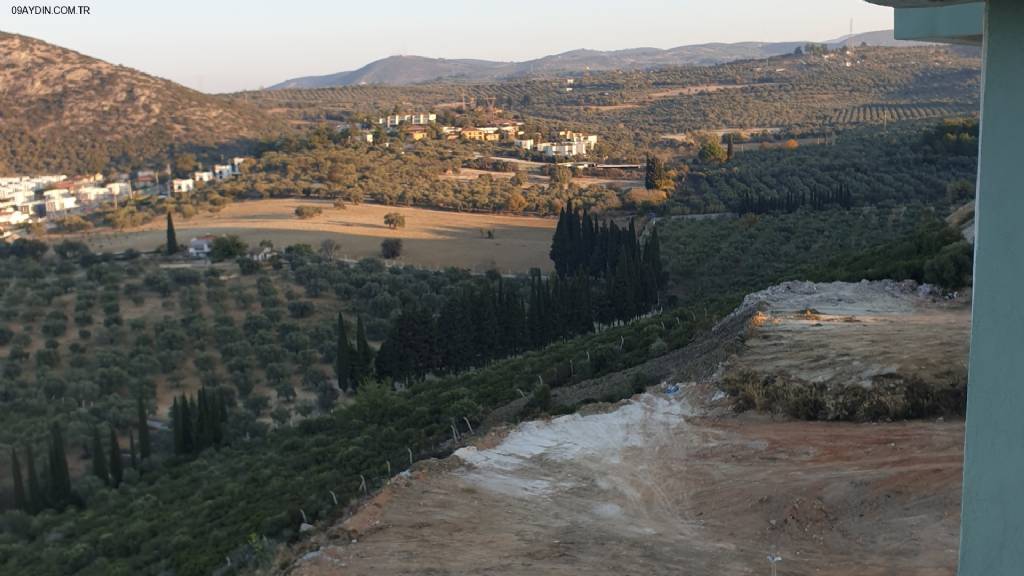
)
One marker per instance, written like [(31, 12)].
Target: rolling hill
[(64, 111), (419, 69)]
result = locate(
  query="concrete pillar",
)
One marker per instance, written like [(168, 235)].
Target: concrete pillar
[(992, 530)]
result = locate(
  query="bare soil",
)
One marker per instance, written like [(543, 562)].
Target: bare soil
[(852, 333), (698, 495), (678, 484), (431, 238)]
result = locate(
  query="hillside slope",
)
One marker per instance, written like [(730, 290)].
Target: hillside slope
[(64, 111), (418, 69), (674, 483)]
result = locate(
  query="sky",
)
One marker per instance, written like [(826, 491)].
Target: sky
[(229, 45)]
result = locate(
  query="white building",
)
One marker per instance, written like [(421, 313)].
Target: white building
[(21, 189), (12, 217), (563, 149), (570, 136), (200, 247), (58, 200), (393, 121), (202, 176), (119, 188), (183, 185), (525, 144), (90, 195), (223, 171), (236, 164)]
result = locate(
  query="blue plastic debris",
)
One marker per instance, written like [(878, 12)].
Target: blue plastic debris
[(673, 389)]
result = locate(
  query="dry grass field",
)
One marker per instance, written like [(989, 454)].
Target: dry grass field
[(431, 238)]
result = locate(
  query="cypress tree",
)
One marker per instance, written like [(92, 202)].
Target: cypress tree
[(36, 497), (144, 445), (203, 431), (343, 359), (728, 149), (99, 461), (188, 438), (20, 502), (363, 352), (172, 238), (60, 477), (131, 448), (179, 427), (116, 466)]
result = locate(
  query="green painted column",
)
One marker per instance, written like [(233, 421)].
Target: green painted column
[(992, 530)]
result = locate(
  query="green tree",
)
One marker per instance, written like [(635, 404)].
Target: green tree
[(36, 496), (394, 220), (711, 152), (131, 448), (184, 164), (227, 247), (391, 248), (172, 238), (145, 448), (99, 461), (20, 501), (364, 355), (343, 356), (178, 427), (60, 477), (654, 173), (116, 465)]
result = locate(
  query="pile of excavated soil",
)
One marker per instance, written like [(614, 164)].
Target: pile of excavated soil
[(854, 333)]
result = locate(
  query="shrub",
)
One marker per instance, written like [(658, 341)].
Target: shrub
[(301, 309), (306, 212), (391, 248)]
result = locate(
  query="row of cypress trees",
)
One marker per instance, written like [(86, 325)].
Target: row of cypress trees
[(603, 275), (57, 492), (198, 422), (627, 276), (791, 201), (352, 362)]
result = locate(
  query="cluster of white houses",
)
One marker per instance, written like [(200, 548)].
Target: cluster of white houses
[(219, 172), (569, 143), (25, 197), (421, 125)]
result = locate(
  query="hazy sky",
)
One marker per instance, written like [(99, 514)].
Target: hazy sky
[(225, 45)]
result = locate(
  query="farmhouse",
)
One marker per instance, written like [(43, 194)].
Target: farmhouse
[(119, 188), (183, 185), (223, 171), (201, 246), (416, 132), (202, 176)]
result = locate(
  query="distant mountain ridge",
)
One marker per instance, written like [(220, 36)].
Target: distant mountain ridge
[(397, 70)]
